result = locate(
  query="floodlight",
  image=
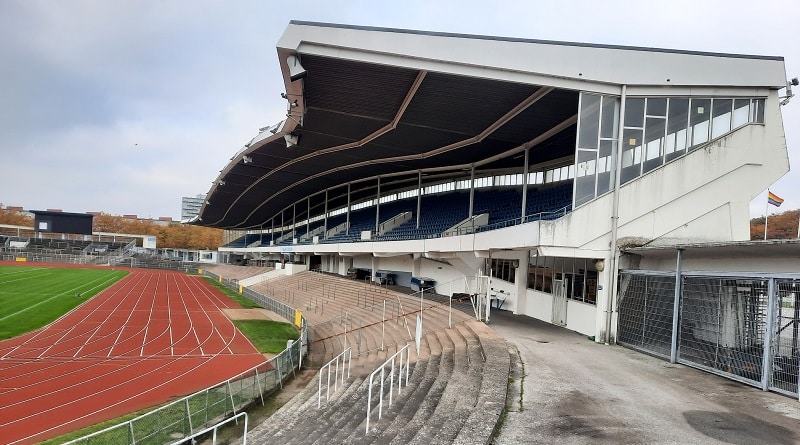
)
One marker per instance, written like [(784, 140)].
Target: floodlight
[(296, 71)]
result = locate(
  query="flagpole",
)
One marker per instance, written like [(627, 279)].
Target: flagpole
[(766, 216)]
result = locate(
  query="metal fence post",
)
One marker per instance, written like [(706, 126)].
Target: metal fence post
[(383, 324), (673, 355), (189, 416), (766, 364)]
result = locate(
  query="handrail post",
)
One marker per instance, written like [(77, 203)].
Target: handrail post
[(369, 402), (391, 382), (380, 396)]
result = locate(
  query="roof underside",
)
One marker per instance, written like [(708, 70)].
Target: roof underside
[(443, 121), (396, 104)]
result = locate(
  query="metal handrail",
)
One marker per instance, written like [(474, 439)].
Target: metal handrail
[(190, 439), (346, 358), (382, 369)]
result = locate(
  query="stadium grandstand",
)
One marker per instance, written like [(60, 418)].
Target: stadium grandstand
[(528, 176), (421, 182)]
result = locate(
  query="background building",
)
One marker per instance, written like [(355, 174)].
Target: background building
[(190, 206)]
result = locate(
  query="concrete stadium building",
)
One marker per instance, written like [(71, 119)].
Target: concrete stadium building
[(550, 167)]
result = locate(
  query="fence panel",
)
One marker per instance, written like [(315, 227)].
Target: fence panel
[(645, 312), (784, 349), (723, 325)]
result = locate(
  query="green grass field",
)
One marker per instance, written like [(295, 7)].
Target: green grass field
[(32, 297), (267, 335)]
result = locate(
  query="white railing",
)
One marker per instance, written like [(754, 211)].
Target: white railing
[(213, 430), (345, 357), (390, 362)]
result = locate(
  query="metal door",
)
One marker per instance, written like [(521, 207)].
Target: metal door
[(560, 302)]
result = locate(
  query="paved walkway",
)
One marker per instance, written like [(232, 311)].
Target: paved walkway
[(576, 391)]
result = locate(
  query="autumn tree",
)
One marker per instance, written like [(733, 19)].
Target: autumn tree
[(174, 235), (781, 226), (15, 218)]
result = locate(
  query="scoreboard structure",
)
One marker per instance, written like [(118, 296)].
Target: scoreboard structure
[(62, 222)]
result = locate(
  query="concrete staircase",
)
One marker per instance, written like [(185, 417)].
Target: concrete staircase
[(456, 394)]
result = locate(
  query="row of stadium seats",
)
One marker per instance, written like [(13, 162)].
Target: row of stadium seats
[(439, 213)]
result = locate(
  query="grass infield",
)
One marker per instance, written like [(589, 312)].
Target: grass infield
[(32, 297)]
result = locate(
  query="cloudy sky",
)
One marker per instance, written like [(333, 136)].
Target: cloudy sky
[(124, 107)]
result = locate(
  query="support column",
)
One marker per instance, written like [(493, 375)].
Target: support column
[(524, 187), (325, 217), (378, 207), (521, 280), (416, 265), (614, 257), (347, 226), (471, 189), (419, 197)]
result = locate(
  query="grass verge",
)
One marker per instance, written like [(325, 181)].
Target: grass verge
[(267, 335), (235, 296)]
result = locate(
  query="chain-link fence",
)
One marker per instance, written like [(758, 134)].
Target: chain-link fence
[(741, 326), (185, 416)]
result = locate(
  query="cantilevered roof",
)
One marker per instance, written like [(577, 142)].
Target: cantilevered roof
[(395, 104)]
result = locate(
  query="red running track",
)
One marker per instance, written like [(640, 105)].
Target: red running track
[(151, 337)]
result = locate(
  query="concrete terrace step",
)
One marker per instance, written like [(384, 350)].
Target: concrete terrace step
[(421, 414), (492, 395), (425, 375), (459, 396), (457, 385)]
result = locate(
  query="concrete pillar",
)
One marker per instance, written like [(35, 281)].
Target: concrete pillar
[(416, 265), (521, 280), (603, 286)]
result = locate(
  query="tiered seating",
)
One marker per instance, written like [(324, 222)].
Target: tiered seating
[(456, 394), (441, 212), (458, 379), (233, 272), (501, 205), (246, 240), (548, 201), (360, 220)]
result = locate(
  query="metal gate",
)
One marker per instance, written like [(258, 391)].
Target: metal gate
[(785, 337), (723, 323), (560, 302), (645, 312), (742, 327)]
